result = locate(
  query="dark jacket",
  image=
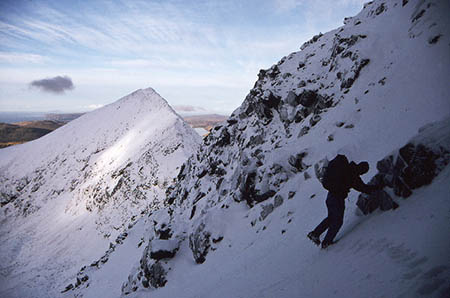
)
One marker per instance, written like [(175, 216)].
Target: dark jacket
[(353, 180)]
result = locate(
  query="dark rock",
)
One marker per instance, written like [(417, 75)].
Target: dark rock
[(418, 16), (278, 201), (224, 138), (156, 275), (404, 2), (400, 188), (386, 165), (292, 99), (435, 39), (301, 84), (193, 211), (380, 9), (202, 173), (308, 98), (266, 210), (199, 243), (314, 120), (271, 101), (199, 196), (311, 41), (164, 232), (217, 240), (68, 288), (303, 131), (296, 161), (366, 205), (273, 72), (347, 83), (164, 249), (261, 74), (421, 168)]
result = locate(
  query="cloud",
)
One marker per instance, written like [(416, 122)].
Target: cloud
[(21, 58), (57, 84), (188, 108), (286, 5), (93, 106)]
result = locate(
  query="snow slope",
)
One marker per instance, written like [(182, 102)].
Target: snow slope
[(242, 207), (67, 195)]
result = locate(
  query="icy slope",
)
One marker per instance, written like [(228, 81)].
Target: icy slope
[(65, 196)]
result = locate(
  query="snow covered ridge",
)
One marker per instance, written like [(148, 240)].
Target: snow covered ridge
[(120, 154), (363, 90), (84, 184)]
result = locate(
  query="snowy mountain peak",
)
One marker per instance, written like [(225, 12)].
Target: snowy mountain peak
[(90, 179), (147, 96)]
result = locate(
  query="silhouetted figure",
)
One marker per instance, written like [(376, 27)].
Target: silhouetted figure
[(339, 177)]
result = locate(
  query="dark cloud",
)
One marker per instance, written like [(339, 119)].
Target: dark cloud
[(57, 84)]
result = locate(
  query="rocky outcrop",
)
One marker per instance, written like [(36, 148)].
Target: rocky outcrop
[(414, 165)]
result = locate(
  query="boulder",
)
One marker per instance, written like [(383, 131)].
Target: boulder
[(308, 98), (379, 199), (163, 249), (156, 275), (296, 161), (199, 243)]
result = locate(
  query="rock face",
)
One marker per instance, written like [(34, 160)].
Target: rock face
[(414, 165), (418, 162)]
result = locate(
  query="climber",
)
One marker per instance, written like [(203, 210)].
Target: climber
[(339, 177)]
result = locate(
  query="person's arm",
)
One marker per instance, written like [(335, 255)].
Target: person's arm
[(360, 186)]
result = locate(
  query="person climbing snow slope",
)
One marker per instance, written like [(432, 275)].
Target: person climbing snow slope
[(339, 177)]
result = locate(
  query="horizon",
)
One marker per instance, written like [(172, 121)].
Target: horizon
[(75, 57)]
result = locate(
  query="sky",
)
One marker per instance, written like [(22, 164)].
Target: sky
[(73, 56)]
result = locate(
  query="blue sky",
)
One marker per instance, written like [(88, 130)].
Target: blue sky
[(204, 54)]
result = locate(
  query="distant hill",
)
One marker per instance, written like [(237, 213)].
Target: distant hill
[(21, 132), (44, 124), (63, 117), (204, 121)]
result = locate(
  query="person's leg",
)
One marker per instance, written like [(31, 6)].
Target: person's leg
[(321, 227), (336, 209), (324, 224)]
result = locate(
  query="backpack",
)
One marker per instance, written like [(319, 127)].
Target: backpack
[(334, 177)]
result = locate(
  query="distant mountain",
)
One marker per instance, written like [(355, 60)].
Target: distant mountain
[(64, 117), (21, 132), (206, 122), (67, 195)]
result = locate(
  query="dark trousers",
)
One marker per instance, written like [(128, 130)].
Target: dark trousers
[(335, 219)]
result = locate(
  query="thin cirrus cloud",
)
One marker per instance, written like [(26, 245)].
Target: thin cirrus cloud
[(56, 85), (195, 52)]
